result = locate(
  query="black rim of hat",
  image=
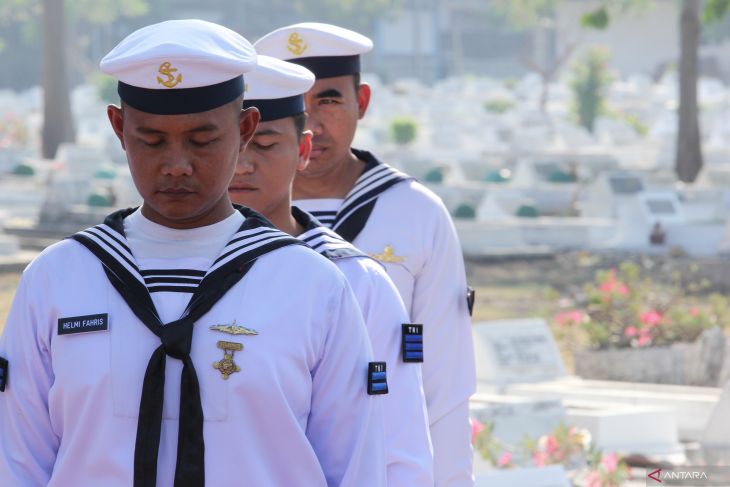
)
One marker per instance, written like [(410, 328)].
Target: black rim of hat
[(277, 108), (330, 66), (180, 101)]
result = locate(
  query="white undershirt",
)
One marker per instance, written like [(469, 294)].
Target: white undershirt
[(323, 209), (150, 240)]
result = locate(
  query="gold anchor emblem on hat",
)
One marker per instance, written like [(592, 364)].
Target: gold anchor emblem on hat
[(296, 44), (166, 69), (227, 366), (388, 255)]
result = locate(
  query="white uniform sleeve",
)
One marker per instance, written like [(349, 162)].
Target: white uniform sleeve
[(409, 455), (28, 445), (449, 376), (346, 424)]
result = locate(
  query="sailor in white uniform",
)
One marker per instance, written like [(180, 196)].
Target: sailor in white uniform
[(394, 219), (263, 181), (186, 343)]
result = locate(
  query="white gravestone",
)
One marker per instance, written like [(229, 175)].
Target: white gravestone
[(516, 351)]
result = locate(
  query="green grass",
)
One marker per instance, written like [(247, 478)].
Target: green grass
[(512, 301)]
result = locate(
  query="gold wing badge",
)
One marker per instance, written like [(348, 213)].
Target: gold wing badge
[(296, 44), (388, 255), (234, 329), (170, 81)]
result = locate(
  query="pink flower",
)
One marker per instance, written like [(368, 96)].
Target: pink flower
[(644, 337), (651, 318), (569, 318), (631, 331), (594, 479), (539, 458), (606, 287), (610, 462), (613, 286), (476, 428), (693, 311), (551, 445), (505, 459)]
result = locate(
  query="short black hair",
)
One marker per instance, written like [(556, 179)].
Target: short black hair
[(356, 81), (300, 120), (237, 103)]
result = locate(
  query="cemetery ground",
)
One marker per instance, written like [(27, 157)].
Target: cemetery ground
[(544, 286)]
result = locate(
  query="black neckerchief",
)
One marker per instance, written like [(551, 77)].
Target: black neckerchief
[(107, 242), (360, 200), (323, 240)]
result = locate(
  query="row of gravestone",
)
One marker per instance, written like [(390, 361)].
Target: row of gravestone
[(520, 369)]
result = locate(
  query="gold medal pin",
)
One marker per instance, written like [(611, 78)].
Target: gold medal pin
[(226, 365)]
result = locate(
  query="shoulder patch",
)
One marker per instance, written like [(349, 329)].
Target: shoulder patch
[(377, 380), (470, 297), (412, 342), (3, 374)]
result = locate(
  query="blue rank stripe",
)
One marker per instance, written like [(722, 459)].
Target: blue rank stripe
[(378, 376), (414, 357), (377, 379), (412, 342)]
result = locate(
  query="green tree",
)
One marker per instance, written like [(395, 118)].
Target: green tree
[(538, 15), (688, 161), (589, 81), (51, 17), (688, 158)]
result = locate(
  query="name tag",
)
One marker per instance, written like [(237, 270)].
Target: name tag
[(83, 324)]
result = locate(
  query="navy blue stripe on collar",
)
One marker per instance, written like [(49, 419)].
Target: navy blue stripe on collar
[(376, 178), (323, 240)]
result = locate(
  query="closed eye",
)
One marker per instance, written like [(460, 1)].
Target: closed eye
[(263, 147), (156, 143), (204, 143)]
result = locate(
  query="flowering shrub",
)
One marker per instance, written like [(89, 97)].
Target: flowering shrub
[(13, 131), (567, 446), (620, 309)]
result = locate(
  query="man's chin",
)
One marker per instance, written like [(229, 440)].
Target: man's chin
[(241, 199), (315, 169)]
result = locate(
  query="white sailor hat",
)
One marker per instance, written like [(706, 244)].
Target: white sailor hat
[(180, 66), (277, 88), (326, 50)]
